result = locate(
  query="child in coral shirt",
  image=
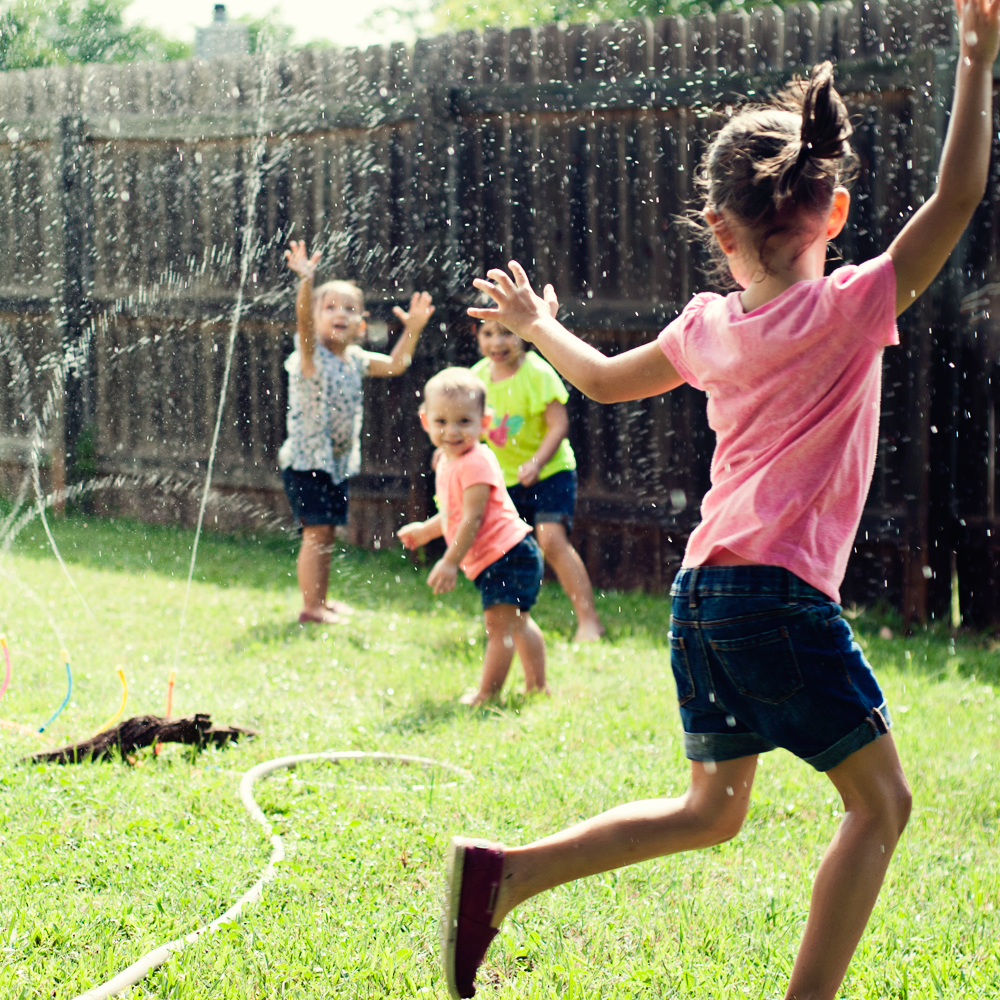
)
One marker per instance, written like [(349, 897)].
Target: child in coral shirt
[(486, 538)]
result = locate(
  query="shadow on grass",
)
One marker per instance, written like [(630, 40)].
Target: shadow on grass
[(427, 715)]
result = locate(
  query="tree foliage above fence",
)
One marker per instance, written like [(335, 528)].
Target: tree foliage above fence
[(459, 15), (55, 32)]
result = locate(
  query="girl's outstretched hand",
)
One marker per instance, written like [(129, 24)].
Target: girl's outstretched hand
[(517, 305), (979, 30), (298, 260), (420, 311)]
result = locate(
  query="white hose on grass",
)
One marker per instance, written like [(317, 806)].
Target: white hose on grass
[(158, 956)]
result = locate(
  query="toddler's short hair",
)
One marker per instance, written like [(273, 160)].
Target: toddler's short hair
[(338, 285), (457, 382)]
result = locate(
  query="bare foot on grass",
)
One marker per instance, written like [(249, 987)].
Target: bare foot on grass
[(322, 616), (471, 698), (338, 607), (589, 632)]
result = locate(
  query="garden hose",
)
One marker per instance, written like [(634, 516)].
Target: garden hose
[(158, 956)]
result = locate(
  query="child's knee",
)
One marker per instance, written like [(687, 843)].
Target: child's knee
[(902, 804)]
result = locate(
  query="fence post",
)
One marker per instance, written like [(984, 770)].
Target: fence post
[(71, 305)]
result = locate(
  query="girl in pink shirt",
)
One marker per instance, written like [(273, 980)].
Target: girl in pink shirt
[(791, 364)]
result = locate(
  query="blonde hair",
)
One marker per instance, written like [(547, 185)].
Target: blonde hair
[(338, 285), (458, 382)]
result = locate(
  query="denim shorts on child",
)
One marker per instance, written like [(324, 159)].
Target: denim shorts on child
[(314, 497), (763, 660), (552, 499), (515, 578)]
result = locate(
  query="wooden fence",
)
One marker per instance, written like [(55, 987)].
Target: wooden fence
[(141, 205)]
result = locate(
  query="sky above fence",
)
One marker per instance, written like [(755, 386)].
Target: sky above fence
[(337, 21)]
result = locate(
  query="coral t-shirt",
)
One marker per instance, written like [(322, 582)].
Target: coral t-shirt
[(501, 529), (794, 389)]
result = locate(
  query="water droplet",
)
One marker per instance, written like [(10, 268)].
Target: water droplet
[(710, 766), (729, 790), (730, 720)]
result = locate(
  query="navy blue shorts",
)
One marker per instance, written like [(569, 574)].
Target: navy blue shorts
[(762, 660), (515, 578), (314, 497), (552, 499)]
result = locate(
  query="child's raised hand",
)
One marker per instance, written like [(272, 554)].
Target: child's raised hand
[(979, 30), (412, 535), (517, 305), (299, 261), (442, 577), (420, 311)]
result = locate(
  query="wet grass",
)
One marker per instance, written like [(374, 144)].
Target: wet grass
[(98, 864)]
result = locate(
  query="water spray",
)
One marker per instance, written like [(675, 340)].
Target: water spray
[(248, 250)]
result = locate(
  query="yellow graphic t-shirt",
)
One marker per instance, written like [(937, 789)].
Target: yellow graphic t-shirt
[(518, 425)]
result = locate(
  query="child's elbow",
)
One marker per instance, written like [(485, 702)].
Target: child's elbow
[(601, 391)]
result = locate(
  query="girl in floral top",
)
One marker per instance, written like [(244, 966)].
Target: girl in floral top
[(325, 402)]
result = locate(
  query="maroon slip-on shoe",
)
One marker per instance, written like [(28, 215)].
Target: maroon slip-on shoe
[(473, 880)]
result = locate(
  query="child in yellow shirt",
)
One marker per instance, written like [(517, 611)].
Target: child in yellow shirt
[(528, 434)]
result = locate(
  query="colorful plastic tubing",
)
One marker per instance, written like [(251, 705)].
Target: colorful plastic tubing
[(65, 701), (121, 708), (6, 657)]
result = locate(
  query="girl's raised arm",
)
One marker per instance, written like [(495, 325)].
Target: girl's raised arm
[(298, 260), (414, 320), (926, 241), (636, 374)]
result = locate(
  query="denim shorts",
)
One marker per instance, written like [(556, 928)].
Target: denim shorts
[(762, 660), (515, 578), (552, 499), (314, 497)]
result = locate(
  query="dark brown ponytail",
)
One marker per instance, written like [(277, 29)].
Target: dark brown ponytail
[(770, 163), (823, 135)]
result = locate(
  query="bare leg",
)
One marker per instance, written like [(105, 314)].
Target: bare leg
[(508, 628), (572, 575), (530, 646), (876, 808), (314, 572), (710, 812)]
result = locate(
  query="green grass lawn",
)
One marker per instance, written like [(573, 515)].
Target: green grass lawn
[(100, 863)]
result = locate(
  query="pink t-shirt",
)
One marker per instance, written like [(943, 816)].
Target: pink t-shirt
[(501, 529), (794, 389)]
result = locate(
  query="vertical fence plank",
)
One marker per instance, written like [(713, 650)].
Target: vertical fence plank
[(802, 34), (670, 52), (767, 31), (703, 45), (553, 218), (735, 43)]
